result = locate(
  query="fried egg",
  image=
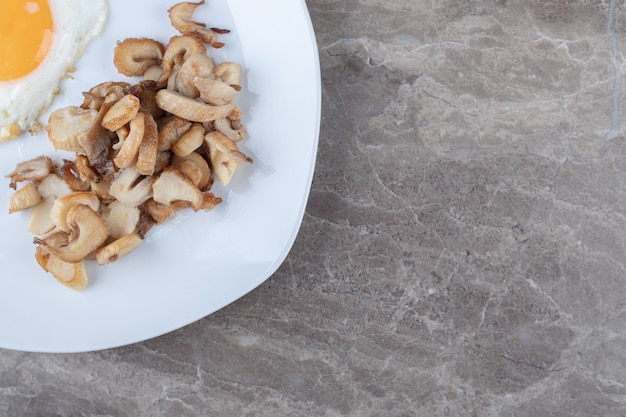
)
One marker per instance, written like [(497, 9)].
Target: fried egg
[(40, 42)]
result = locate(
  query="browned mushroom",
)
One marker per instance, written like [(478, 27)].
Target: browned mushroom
[(120, 113), (171, 128), (118, 248), (50, 188), (133, 56), (196, 168), (67, 125), (173, 186), (121, 218), (190, 141), (180, 46), (131, 188), (148, 149), (180, 17), (32, 170), (215, 91), (87, 232), (70, 274), (24, 198), (225, 156), (190, 109), (127, 154), (62, 206), (196, 66), (109, 90)]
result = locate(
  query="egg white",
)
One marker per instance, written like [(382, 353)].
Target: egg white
[(23, 100)]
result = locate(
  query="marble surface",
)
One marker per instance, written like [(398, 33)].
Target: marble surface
[(463, 249)]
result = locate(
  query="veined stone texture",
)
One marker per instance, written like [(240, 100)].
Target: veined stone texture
[(463, 252)]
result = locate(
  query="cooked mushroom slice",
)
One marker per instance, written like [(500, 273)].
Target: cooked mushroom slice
[(87, 232), (130, 188), (215, 91), (196, 168), (118, 249), (130, 147), (190, 141), (146, 92), (181, 46), (122, 112), (121, 218), (72, 177), (173, 186), (24, 198), (66, 125), (107, 91), (154, 73), (180, 17), (229, 72), (70, 274), (148, 149), (171, 128), (62, 205), (159, 212), (32, 170), (233, 129), (210, 201), (133, 56), (145, 224), (190, 109), (50, 188), (225, 156), (196, 66)]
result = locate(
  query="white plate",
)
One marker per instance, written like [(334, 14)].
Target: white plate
[(201, 261)]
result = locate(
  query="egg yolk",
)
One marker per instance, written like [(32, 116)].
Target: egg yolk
[(26, 30)]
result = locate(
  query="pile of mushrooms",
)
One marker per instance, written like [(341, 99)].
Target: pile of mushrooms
[(144, 151)]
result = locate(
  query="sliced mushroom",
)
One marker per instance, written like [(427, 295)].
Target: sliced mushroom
[(87, 232), (146, 92), (133, 56), (66, 125), (127, 154), (62, 206), (196, 168), (225, 156), (120, 113), (107, 91), (121, 219), (118, 248), (154, 73), (24, 198), (171, 128), (72, 177), (210, 201), (180, 17), (229, 72), (50, 188), (190, 141), (196, 66), (148, 149), (173, 186), (70, 274), (32, 170), (131, 188), (159, 212), (180, 46), (233, 129), (190, 109), (215, 91)]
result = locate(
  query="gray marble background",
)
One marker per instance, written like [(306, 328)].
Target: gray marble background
[(463, 250)]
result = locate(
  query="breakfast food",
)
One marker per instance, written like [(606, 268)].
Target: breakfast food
[(40, 41), (143, 151)]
